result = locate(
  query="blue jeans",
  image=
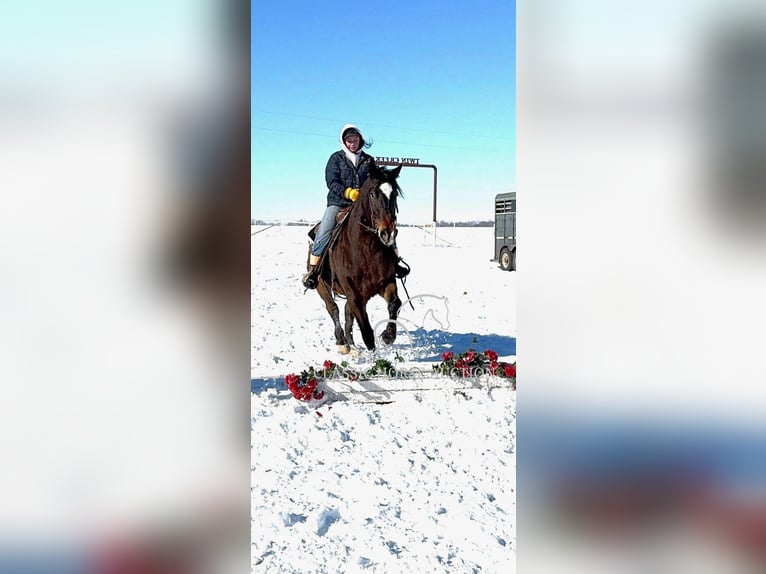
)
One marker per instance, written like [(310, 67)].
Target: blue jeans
[(326, 225)]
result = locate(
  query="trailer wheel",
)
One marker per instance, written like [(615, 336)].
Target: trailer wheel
[(513, 260), (506, 259)]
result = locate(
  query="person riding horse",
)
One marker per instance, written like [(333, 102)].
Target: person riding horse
[(360, 262), (346, 171)]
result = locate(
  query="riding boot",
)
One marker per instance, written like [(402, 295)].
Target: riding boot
[(401, 270), (311, 280)]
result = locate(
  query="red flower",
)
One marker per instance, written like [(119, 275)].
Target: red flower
[(447, 355), (510, 370), (303, 392), (469, 356), (292, 379), (493, 366), (491, 355), (328, 365)]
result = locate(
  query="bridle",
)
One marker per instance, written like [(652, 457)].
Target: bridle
[(368, 228), (375, 229)]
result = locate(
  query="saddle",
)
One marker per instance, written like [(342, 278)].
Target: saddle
[(338, 220)]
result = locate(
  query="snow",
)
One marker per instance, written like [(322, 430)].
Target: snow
[(423, 484)]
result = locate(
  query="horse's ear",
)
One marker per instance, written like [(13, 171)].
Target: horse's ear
[(376, 172), (395, 172)]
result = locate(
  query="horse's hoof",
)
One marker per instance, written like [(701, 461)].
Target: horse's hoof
[(387, 338), (355, 352), (343, 349)]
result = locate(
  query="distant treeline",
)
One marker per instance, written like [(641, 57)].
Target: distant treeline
[(303, 222), (486, 223)]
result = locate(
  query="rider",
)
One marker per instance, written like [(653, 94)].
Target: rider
[(346, 171)]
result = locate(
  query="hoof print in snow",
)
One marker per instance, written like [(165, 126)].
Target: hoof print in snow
[(289, 519), (327, 519), (393, 548)]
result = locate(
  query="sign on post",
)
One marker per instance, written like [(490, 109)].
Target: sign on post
[(398, 160)]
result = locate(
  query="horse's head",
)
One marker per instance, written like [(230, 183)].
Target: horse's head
[(381, 192)]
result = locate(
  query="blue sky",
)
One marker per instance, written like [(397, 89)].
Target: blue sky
[(423, 79)]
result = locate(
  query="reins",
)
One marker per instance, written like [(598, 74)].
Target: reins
[(370, 229), (363, 214), (404, 286)]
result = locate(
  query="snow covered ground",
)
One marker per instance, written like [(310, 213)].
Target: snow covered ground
[(424, 484)]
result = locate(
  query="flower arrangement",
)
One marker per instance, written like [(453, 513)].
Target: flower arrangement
[(304, 386), (472, 364)]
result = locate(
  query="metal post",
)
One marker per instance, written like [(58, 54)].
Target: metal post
[(434, 167)]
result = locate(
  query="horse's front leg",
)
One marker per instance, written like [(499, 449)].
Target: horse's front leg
[(332, 309), (359, 311), (391, 296), (349, 315)]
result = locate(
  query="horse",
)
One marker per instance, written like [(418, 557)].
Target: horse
[(360, 261)]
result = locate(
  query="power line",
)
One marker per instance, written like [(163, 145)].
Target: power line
[(459, 148), (292, 132), (335, 120)]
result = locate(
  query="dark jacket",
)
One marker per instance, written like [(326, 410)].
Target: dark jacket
[(340, 173)]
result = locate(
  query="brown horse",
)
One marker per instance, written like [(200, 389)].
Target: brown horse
[(360, 261)]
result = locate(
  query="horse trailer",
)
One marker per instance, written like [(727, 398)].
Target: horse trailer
[(505, 230)]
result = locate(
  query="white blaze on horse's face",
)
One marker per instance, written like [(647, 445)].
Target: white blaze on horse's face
[(384, 223)]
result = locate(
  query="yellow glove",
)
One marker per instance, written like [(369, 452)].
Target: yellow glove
[(352, 193)]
